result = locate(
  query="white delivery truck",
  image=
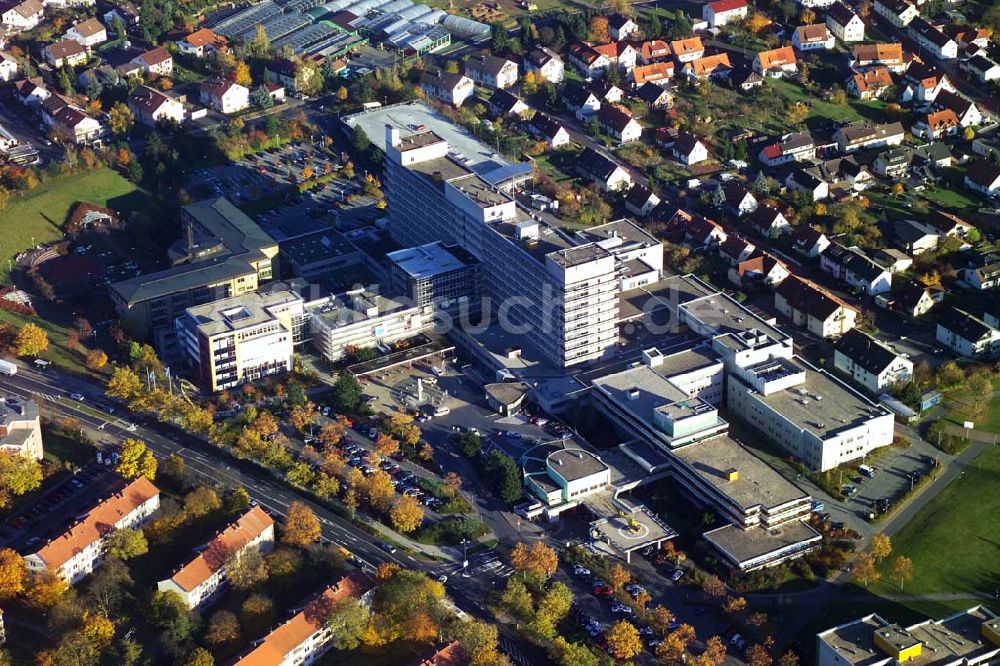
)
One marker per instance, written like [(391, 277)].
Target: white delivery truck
[(7, 368)]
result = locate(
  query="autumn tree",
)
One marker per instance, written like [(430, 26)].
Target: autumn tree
[(564, 653), (757, 655), (223, 628), (201, 501), (332, 432), (257, 613), (864, 569), (675, 644), (623, 640), (660, 618), (31, 340), (553, 607), (902, 570), (618, 577), (120, 119), (715, 651), (734, 605), (303, 416), (45, 590), (97, 630), (124, 384), (18, 475), (881, 546), (757, 22), (13, 574), (481, 641), (537, 560), (302, 527), (241, 74), (406, 514), (385, 445), (348, 621), (516, 599), (713, 587), (96, 359), (789, 658), (135, 460), (246, 570), (808, 16), (127, 543), (199, 657), (379, 491), (598, 29)]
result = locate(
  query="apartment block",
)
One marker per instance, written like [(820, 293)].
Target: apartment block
[(446, 277), (80, 549), (968, 335), (223, 253), (243, 338), (870, 363), (200, 581), (808, 413), (20, 428), (306, 637)]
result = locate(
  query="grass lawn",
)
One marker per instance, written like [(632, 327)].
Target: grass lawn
[(953, 540), (39, 214), (855, 111), (58, 353), (990, 421)]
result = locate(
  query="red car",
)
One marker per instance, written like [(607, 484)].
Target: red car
[(602, 590)]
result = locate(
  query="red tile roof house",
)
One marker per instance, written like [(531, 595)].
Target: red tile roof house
[(936, 125), (156, 61), (151, 107), (721, 12), (776, 63), (703, 231), (201, 43)]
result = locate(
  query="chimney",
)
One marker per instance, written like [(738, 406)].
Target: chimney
[(392, 136)]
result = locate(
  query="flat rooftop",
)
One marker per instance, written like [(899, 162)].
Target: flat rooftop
[(479, 191), (316, 247), (955, 637), (577, 256), (418, 117), (854, 642), (238, 312), (574, 464), (615, 529), (550, 239), (758, 542), (728, 317), (351, 309), (819, 401), (667, 294), (757, 485), (689, 360), (418, 140), (427, 261)]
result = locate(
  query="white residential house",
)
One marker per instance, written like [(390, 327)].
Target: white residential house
[(609, 175), (900, 13), (491, 71), (8, 67), (812, 37), (80, 549), (618, 123), (549, 129), (982, 277), (69, 121), (936, 125), (21, 16), (870, 363), (582, 102), (809, 241), (814, 308), (31, 92), (452, 89), (687, 50), (546, 65), (965, 109), (224, 96), (688, 149), (156, 61), (641, 201), (88, 33), (200, 580), (739, 200), (852, 138), (982, 68), (776, 63), (201, 42), (721, 12), (933, 39), (67, 52), (968, 335), (983, 176), (151, 107), (621, 27), (806, 181), (588, 61), (844, 23), (852, 266)]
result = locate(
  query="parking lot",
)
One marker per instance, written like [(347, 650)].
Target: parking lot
[(895, 473)]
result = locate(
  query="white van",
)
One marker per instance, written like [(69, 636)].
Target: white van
[(867, 471), (442, 411)]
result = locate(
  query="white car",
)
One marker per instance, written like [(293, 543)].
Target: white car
[(430, 381), (621, 608)]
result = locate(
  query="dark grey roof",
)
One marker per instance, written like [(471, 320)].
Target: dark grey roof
[(965, 325), (865, 351), (840, 13), (545, 125), (593, 163), (503, 101), (576, 95), (650, 93)]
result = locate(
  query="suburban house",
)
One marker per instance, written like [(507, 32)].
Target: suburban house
[(982, 68), (617, 122), (968, 36), (882, 54), (716, 66), (582, 102), (151, 107), (688, 149), (504, 103), (870, 84), (491, 71), (621, 27), (808, 182), (968, 335), (20, 16), (894, 261), (655, 96), (721, 12), (306, 636), (844, 23), (80, 549), (762, 270), (156, 61), (452, 89), (981, 275), (641, 201), (735, 250), (870, 363), (819, 4), (812, 37), (224, 96), (549, 129), (590, 62), (852, 138), (202, 42), (200, 581), (916, 300), (791, 148), (923, 83), (846, 173), (126, 12), (654, 50), (89, 32), (686, 50), (607, 92), (810, 241), (933, 39), (853, 267), (292, 74), (702, 231), (8, 67), (910, 235), (900, 13), (609, 175), (983, 176), (769, 222), (67, 52), (546, 65), (69, 121), (31, 92), (739, 200), (776, 63), (809, 305), (948, 224), (936, 125), (965, 109), (744, 78), (657, 72)]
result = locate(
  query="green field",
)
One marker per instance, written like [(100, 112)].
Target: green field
[(953, 541), (855, 111), (39, 214)]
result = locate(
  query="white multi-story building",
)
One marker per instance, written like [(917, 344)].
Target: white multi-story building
[(20, 428), (492, 71), (80, 549), (869, 362), (818, 310), (306, 637), (362, 319), (25, 15), (721, 12), (844, 23), (968, 335), (200, 581), (808, 413), (546, 65), (241, 339), (224, 96), (852, 266)]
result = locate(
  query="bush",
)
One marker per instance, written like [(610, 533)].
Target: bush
[(450, 532)]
